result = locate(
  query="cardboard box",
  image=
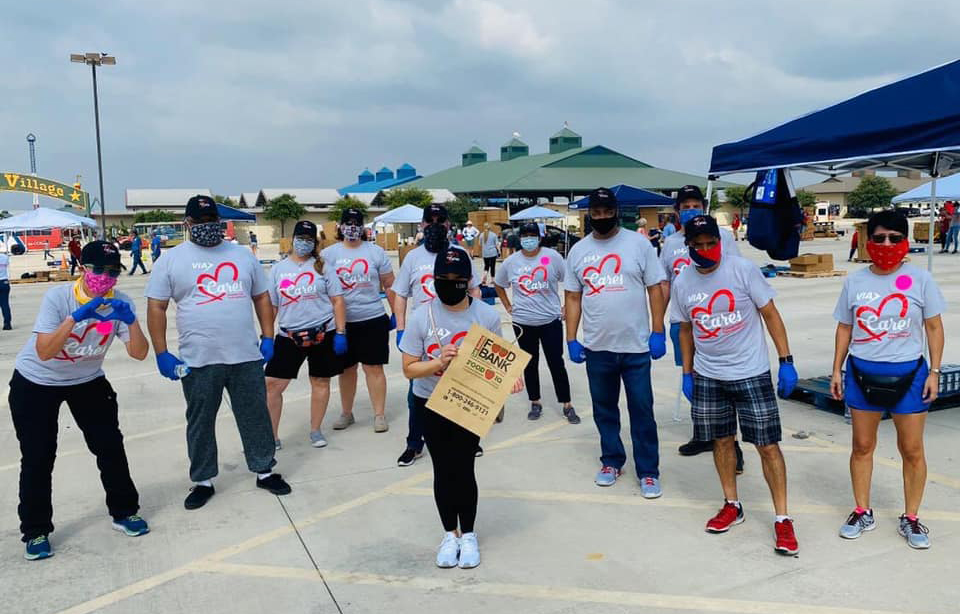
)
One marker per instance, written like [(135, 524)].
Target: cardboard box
[(329, 230), (826, 261), (393, 240), (805, 259), (404, 250)]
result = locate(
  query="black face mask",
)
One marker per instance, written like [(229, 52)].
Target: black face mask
[(604, 225), (435, 238), (450, 291)]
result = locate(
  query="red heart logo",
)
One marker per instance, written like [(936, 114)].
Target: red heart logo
[(63, 353), (296, 282), (872, 336), (349, 271), (215, 278), (679, 264), (503, 352), (696, 312), (489, 374), (523, 280), (495, 348), (426, 284), (599, 270), (433, 349)]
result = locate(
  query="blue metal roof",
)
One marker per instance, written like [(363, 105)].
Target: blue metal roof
[(376, 186)]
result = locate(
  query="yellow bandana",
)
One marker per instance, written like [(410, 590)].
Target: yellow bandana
[(81, 295)]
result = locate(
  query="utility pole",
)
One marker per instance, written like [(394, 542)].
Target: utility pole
[(31, 140), (93, 60)]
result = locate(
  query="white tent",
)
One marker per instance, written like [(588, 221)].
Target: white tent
[(536, 213), (41, 218), (407, 214), (947, 189)]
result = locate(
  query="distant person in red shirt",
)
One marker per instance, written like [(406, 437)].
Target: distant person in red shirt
[(75, 250), (735, 224), (854, 241)]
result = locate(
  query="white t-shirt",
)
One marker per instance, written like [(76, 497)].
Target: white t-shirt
[(301, 295), (213, 288), (887, 312), (613, 276), (425, 335), (470, 233), (534, 281), (675, 255), (723, 308), (4, 267), (357, 271), (491, 242), (415, 279), (81, 358)]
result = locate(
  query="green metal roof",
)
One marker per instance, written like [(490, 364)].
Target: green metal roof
[(514, 142), (475, 150), (565, 132)]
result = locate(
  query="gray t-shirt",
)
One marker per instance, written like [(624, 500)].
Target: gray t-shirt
[(613, 276), (723, 308), (534, 281), (357, 271), (435, 326), (490, 242), (81, 358), (301, 295), (213, 288), (887, 312), (415, 279), (675, 255)]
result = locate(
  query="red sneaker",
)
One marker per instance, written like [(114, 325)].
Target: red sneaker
[(728, 516), (786, 537)]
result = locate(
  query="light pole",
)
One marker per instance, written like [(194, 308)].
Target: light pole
[(31, 140), (93, 60)]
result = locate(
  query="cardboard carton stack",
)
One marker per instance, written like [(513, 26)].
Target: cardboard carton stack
[(812, 263)]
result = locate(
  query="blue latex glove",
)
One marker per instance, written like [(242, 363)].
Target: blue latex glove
[(339, 344), (577, 352), (266, 348), (393, 321), (121, 311), (688, 386), (786, 380), (675, 335), (658, 345), (167, 364), (87, 311), (399, 337)]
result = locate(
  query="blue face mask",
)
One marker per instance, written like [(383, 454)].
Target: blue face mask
[(688, 214), (529, 243)]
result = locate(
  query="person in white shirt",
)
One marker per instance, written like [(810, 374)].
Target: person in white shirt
[(470, 234)]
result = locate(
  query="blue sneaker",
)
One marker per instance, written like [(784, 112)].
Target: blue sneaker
[(134, 526), (650, 488), (607, 476), (38, 548), (914, 532), (857, 523)]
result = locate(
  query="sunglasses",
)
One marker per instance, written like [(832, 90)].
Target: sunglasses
[(893, 238), (112, 271)]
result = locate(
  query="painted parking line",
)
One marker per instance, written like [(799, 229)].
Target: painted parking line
[(564, 594)]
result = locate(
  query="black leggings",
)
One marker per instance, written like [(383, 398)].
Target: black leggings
[(529, 338), (452, 452), (490, 264)]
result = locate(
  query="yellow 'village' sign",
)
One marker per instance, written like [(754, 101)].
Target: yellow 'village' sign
[(19, 182)]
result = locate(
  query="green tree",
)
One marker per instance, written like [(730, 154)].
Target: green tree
[(398, 197), (155, 216), (872, 193), (736, 197), (806, 199), (343, 203), (459, 209), (284, 207), (224, 200)]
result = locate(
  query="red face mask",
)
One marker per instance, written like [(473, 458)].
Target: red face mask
[(887, 255), (706, 258)]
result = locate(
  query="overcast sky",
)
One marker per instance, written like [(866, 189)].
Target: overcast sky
[(236, 95)]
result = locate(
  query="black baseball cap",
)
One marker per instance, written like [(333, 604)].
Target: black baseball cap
[(689, 192), (305, 227), (100, 253), (701, 225), (352, 214), (434, 211), (455, 261), (602, 197), (201, 206), (530, 228)]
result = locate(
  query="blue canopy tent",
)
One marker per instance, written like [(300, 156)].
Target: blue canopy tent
[(912, 124), (629, 197), (235, 215)]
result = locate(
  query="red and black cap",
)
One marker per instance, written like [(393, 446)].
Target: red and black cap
[(434, 213), (352, 215), (453, 261), (701, 225), (100, 253), (305, 228), (200, 206), (689, 192)]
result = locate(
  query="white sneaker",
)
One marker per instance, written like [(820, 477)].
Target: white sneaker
[(469, 551), (448, 551), (317, 440)]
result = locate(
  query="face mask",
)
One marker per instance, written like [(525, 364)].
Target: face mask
[(450, 291), (604, 225), (435, 238), (688, 214), (351, 232), (207, 234), (887, 255), (529, 243), (99, 284), (303, 247), (706, 258)]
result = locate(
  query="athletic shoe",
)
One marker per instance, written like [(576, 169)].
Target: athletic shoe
[(275, 484), (448, 551), (317, 440), (694, 447), (198, 497), (132, 526), (607, 476), (786, 537), (408, 457), (571, 415), (736, 445), (379, 424), (8, 327), (469, 551), (343, 422), (728, 516), (38, 548), (478, 452), (914, 532), (535, 410), (277, 444), (650, 488), (857, 523)]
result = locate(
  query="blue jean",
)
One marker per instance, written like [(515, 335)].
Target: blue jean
[(5, 301), (953, 236), (604, 372), (414, 422)]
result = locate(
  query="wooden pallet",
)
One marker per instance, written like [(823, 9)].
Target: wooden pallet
[(812, 274), (816, 391)]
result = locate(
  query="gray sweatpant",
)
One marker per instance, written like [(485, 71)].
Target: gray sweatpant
[(203, 389)]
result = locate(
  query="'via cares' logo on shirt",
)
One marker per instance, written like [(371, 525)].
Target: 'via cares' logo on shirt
[(78, 347), (877, 325), (605, 275), (534, 281), (224, 282), (433, 350), (293, 290), (353, 273), (713, 321)]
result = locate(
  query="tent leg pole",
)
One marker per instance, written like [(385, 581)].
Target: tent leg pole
[(709, 193), (933, 203)]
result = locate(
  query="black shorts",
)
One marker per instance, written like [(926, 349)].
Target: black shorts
[(288, 356), (368, 342)]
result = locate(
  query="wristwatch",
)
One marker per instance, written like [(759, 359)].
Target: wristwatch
[(937, 371), (788, 359)]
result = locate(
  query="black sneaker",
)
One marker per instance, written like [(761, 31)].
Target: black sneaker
[(408, 457), (694, 447), (739, 457), (7, 327), (536, 409), (275, 484), (198, 497), (571, 415), (478, 452)]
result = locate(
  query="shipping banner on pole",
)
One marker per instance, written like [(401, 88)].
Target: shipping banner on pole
[(477, 382)]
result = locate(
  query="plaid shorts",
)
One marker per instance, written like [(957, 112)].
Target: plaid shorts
[(717, 404)]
